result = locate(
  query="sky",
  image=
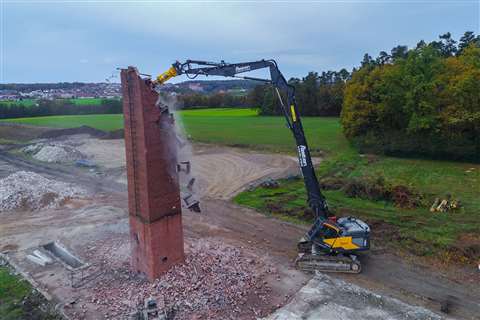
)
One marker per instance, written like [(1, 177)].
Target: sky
[(56, 41)]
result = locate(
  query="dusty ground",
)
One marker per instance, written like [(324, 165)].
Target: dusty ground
[(221, 172)]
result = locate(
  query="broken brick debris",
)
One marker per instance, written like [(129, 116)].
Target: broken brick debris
[(218, 281)]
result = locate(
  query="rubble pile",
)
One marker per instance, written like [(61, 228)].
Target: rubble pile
[(53, 152), (28, 190), (215, 280)]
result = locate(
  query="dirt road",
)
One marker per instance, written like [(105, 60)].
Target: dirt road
[(221, 173)]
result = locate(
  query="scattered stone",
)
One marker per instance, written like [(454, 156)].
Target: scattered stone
[(29, 190), (53, 152)]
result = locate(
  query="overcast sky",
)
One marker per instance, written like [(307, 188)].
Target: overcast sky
[(85, 41)]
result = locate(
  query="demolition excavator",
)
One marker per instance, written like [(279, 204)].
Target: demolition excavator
[(331, 244)]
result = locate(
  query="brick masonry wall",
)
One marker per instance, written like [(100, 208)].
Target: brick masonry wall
[(153, 187)]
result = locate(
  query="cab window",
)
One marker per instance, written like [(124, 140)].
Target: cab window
[(329, 232)]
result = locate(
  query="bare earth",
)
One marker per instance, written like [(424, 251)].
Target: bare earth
[(387, 286)]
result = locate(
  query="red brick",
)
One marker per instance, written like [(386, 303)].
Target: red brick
[(153, 190)]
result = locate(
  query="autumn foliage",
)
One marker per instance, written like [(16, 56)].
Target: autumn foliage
[(425, 101)]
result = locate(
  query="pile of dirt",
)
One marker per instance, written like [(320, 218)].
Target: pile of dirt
[(72, 131), (31, 191), (215, 280), (53, 152)]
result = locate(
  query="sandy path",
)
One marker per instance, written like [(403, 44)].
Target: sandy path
[(223, 174), (220, 172)]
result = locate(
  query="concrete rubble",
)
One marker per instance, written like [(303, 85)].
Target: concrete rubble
[(326, 298), (29, 190), (53, 152)]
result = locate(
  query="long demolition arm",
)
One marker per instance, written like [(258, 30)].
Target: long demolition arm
[(193, 68)]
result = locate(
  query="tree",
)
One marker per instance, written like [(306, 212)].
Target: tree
[(399, 52), (367, 61), (256, 95), (344, 74), (421, 44), (467, 38), (269, 105), (383, 58), (449, 45)]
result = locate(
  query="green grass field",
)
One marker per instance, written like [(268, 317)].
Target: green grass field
[(242, 127), (86, 101), (25, 102), (76, 101), (427, 232), (105, 122)]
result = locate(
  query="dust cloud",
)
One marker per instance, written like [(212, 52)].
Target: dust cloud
[(188, 187)]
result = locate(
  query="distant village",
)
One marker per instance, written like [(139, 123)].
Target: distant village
[(70, 91), (50, 91)]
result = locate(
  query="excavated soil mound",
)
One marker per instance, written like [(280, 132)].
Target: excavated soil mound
[(72, 131), (31, 191)]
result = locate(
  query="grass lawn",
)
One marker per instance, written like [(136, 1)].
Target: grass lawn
[(18, 301), (25, 102), (426, 232), (105, 122), (86, 101), (242, 127)]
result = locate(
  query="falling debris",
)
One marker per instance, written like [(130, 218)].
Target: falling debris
[(28, 190)]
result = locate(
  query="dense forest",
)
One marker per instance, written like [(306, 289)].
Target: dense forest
[(58, 107), (424, 100)]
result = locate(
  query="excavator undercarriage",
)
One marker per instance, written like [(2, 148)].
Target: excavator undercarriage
[(323, 261)]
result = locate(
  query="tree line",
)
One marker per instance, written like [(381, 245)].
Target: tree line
[(419, 101), (58, 107), (316, 94)]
